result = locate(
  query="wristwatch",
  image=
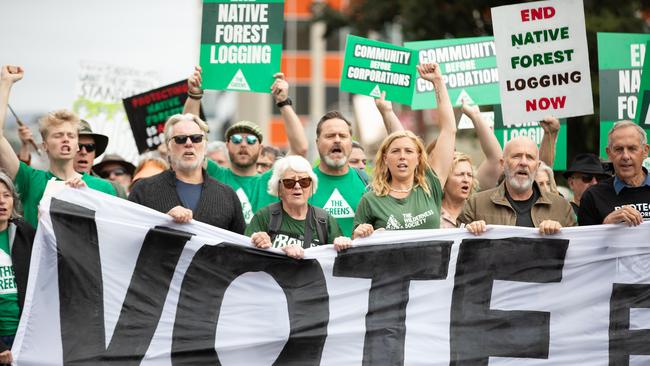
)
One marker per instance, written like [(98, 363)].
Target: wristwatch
[(284, 102)]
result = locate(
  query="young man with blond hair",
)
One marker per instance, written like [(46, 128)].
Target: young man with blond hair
[(60, 133)]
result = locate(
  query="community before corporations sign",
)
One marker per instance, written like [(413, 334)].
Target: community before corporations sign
[(543, 60), (468, 67), (113, 283), (241, 44)]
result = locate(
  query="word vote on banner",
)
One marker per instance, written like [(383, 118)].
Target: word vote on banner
[(114, 283)]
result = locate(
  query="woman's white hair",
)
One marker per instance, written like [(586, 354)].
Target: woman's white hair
[(292, 162)]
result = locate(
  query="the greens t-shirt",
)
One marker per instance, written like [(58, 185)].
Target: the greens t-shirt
[(415, 211), (31, 183), (9, 311), (339, 195), (251, 190), (291, 230)]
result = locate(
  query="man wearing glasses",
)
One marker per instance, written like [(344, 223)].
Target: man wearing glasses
[(585, 171), (60, 133), (624, 198), (185, 191)]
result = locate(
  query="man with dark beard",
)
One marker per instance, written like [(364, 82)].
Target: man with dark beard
[(518, 201), (186, 192)]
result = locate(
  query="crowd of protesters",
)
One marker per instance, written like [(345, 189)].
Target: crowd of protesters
[(286, 202)]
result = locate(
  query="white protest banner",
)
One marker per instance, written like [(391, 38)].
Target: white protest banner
[(113, 283), (543, 60)]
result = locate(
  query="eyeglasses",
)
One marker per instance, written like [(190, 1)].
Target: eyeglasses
[(238, 139), (586, 178), (290, 183), (118, 172), (181, 139), (89, 147)]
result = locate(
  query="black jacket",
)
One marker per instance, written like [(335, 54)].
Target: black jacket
[(21, 240), (218, 206)]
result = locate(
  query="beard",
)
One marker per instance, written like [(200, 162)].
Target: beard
[(335, 163), (517, 184), (186, 166), (243, 163)]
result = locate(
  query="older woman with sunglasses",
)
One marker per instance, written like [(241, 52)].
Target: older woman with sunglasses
[(16, 239), (292, 221)]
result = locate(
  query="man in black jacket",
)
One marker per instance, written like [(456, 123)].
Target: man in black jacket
[(624, 198), (186, 192)]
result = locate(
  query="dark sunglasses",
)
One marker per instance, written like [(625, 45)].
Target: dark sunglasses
[(180, 139), (237, 139), (290, 183), (117, 172), (587, 178), (89, 147)]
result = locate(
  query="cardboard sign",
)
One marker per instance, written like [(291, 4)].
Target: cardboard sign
[(241, 44), (507, 132), (148, 112), (372, 67), (468, 67), (543, 60), (620, 62)]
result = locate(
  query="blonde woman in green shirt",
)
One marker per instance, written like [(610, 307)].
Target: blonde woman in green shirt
[(407, 184)]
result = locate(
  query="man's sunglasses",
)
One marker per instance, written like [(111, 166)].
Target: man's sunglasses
[(118, 172), (587, 178), (181, 139), (89, 147), (237, 139), (290, 183)]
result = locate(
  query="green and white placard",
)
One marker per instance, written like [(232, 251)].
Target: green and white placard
[(372, 67), (469, 68), (241, 44), (505, 133), (643, 110), (620, 61)]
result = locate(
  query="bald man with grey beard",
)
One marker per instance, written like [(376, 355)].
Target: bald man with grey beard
[(518, 201)]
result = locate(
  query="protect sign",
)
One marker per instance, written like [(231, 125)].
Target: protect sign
[(543, 60), (241, 44), (372, 67), (468, 67), (620, 62)]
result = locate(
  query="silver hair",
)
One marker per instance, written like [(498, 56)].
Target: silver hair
[(4, 178), (218, 146), (551, 176), (643, 136), (292, 162), (173, 120)]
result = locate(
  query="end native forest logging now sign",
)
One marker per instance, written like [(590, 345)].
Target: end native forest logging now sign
[(241, 44), (543, 60)]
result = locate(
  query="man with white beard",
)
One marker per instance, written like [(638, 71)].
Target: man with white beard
[(186, 192), (518, 201)]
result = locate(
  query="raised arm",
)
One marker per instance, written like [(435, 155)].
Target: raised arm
[(442, 156), (490, 169), (195, 93), (8, 159), (385, 108), (551, 126), (295, 131)]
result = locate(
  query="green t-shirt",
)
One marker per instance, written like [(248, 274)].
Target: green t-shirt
[(291, 230), (415, 211), (9, 311), (339, 195), (31, 183), (251, 190)]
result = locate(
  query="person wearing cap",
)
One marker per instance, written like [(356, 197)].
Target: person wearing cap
[(244, 142), (585, 171), (117, 170), (625, 197), (60, 133), (186, 191)]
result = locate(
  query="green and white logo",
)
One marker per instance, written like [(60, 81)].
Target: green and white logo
[(337, 206)]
